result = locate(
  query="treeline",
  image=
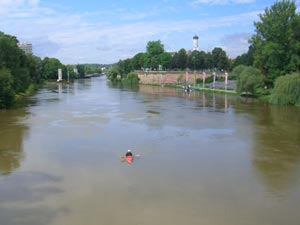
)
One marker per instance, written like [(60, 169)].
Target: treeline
[(156, 58), (20, 73), (274, 53), (273, 58)]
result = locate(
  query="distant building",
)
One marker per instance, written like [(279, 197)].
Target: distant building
[(75, 70), (26, 47), (195, 42), (59, 74)]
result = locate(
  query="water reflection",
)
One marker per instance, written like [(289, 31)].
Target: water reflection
[(19, 194), (11, 140), (277, 149)]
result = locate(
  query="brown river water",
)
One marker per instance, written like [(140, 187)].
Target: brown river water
[(208, 159)]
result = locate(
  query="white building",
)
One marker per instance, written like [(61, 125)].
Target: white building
[(59, 73), (195, 42), (26, 47)]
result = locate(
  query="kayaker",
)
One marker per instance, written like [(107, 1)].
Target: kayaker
[(129, 156), (128, 153)]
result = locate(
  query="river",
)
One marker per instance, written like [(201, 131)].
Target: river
[(204, 158)]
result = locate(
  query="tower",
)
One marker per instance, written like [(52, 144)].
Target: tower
[(195, 42)]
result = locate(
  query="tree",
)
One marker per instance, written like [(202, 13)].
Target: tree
[(81, 70), (35, 67), (286, 90), (165, 60), (155, 48), (220, 59), (7, 93), (245, 59), (250, 80), (124, 67), (131, 78), (138, 61), (113, 74), (196, 60), (50, 68), (277, 41), (182, 59), (209, 63)]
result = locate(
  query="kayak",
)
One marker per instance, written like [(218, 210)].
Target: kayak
[(129, 158)]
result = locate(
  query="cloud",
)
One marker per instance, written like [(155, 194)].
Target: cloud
[(236, 44), (99, 36), (222, 2)]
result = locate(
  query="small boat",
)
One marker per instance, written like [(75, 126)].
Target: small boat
[(129, 158)]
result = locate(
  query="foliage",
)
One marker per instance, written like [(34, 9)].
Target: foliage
[(245, 59), (249, 81), (131, 78), (92, 68), (6, 88), (220, 59), (81, 70), (196, 60), (165, 60), (277, 41), (182, 59), (235, 74), (286, 90), (155, 48), (35, 67), (112, 74), (138, 61), (125, 67), (50, 68)]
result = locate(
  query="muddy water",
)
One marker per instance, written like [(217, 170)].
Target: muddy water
[(204, 158)]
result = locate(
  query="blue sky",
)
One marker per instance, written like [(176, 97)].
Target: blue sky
[(90, 31)]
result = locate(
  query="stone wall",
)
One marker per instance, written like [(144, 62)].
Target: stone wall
[(169, 77)]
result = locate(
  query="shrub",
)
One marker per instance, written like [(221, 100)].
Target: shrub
[(249, 81), (237, 72), (131, 78), (286, 90)]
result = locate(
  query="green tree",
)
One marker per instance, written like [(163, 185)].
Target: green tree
[(277, 41), (50, 68), (286, 90), (220, 59), (81, 70), (131, 78), (182, 59), (165, 60), (196, 60), (113, 74), (138, 61), (125, 67), (245, 59), (250, 81), (209, 63), (7, 93), (35, 67), (155, 48)]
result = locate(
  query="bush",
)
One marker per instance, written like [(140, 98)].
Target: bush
[(237, 72), (112, 74), (250, 80), (286, 90), (131, 78)]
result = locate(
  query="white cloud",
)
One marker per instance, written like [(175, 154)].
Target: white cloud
[(74, 38), (222, 2), (236, 44)]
